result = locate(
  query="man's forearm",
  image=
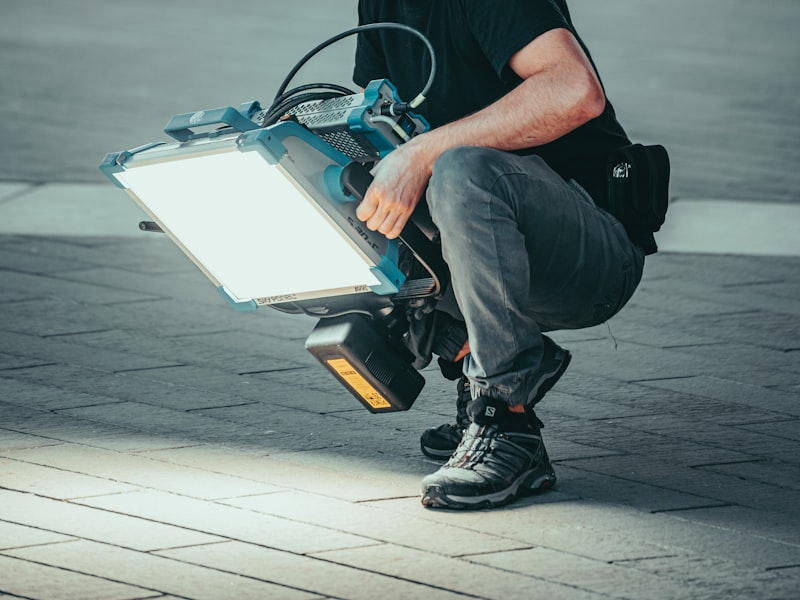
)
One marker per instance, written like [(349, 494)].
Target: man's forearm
[(555, 97)]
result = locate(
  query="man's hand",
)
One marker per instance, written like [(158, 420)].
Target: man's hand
[(399, 182)]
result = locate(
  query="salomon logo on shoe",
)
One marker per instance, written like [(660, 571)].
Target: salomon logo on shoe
[(489, 411)]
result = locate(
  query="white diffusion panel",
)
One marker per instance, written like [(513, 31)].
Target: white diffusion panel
[(248, 225)]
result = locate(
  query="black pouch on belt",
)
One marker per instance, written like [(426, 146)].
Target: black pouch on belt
[(638, 191)]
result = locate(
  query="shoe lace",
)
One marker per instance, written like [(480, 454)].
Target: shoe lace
[(476, 443), (480, 445)]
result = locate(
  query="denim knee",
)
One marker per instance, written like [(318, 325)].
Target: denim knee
[(457, 173)]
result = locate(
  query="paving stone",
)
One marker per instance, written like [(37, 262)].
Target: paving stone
[(9, 191), (609, 580), (194, 427), (596, 527), (15, 440), (10, 362), (243, 387), (126, 278), (312, 387), (211, 380), (577, 483), (738, 392), (757, 522), (629, 441), (214, 354), (226, 521), (595, 520), (53, 482), (138, 254), (734, 300), (561, 450), (308, 572), (48, 287), (711, 578), (654, 398), (789, 429), (45, 397), (33, 580), (60, 350), (770, 369), (755, 444), (72, 519), (347, 482), (53, 427), (372, 522), (181, 316), (121, 472), (357, 458), (157, 573), (78, 387), (36, 263), (632, 362), (20, 536), (453, 573), (323, 430), (566, 404), (718, 488), (55, 317)]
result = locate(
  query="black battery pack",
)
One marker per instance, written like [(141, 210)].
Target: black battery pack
[(352, 348)]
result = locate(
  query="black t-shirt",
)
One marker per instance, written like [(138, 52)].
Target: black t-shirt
[(473, 41)]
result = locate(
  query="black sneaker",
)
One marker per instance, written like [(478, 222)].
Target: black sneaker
[(439, 443), (501, 457)]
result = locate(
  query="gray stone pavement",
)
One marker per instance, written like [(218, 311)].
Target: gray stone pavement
[(156, 444)]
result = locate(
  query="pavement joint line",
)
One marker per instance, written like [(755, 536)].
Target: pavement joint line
[(677, 377), (752, 283), (280, 370), (75, 333), (698, 345), (29, 188), (730, 462), (642, 558), (202, 408), (690, 508), (159, 367), (781, 567), (21, 367), (730, 313)]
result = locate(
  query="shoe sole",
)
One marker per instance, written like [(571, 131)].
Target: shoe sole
[(435, 497), (439, 455)]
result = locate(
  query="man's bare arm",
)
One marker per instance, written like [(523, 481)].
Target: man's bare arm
[(560, 92)]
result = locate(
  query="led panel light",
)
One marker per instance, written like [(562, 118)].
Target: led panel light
[(249, 226)]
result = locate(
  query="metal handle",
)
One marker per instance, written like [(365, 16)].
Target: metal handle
[(181, 126)]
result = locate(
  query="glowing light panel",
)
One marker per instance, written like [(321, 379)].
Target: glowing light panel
[(249, 226)]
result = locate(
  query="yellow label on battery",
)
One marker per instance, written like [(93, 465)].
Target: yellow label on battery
[(361, 386)]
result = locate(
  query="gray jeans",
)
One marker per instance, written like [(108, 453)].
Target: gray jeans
[(528, 252)]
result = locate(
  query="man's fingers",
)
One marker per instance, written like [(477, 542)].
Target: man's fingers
[(389, 222), (396, 228), (366, 209), (381, 214)]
